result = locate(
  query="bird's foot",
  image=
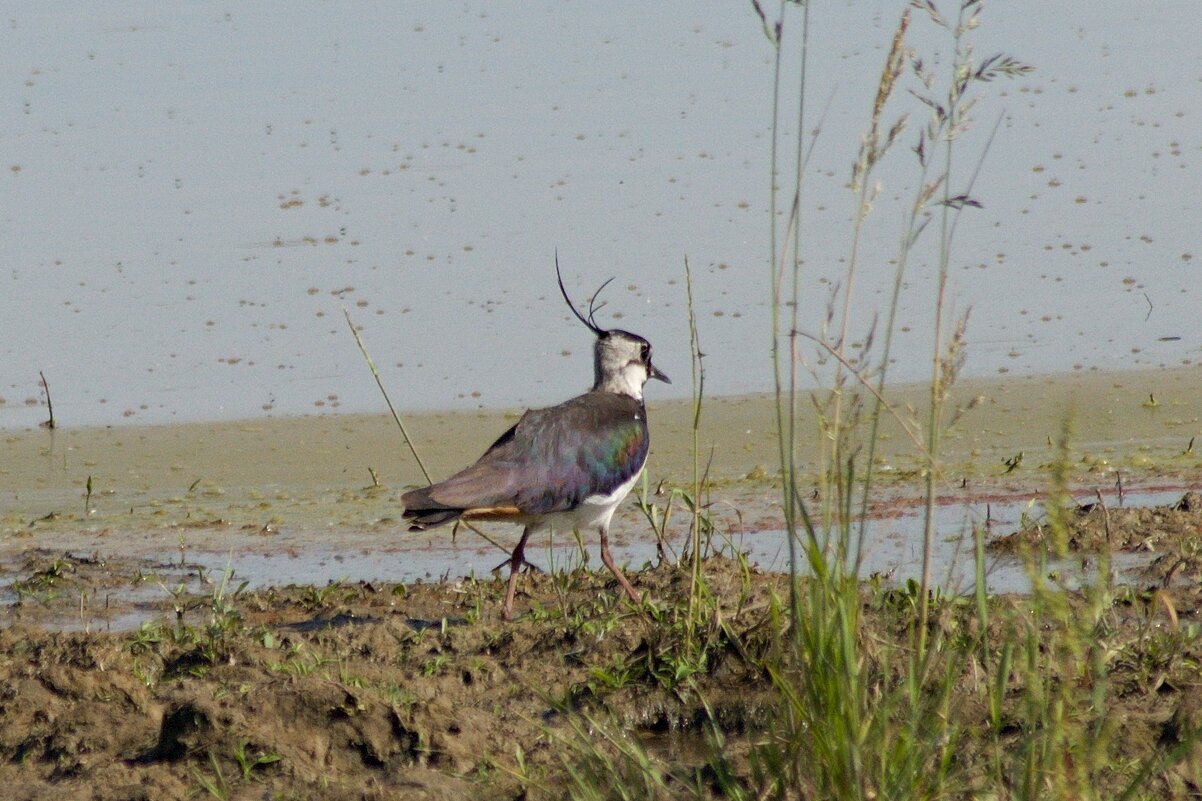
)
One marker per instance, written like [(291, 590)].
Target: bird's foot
[(521, 564), (608, 560)]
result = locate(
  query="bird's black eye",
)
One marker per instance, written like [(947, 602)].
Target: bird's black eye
[(645, 350)]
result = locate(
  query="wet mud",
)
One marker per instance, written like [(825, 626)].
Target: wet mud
[(237, 610), (389, 691)]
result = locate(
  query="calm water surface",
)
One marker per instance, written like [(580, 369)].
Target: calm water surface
[(193, 194)]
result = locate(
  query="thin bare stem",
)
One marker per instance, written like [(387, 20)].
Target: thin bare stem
[(698, 383), (938, 382), (872, 149), (49, 406), (911, 230), (801, 160), (466, 524), (788, 476), (384, 392), (876, 392)]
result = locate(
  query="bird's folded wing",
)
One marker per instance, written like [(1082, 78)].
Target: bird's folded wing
[(551, 460)]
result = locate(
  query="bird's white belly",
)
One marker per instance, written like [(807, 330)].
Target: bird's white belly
[(614, 498), (595, 511)]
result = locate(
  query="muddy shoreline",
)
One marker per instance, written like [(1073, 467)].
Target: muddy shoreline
[(1120, 419), (388, 691), (239, 611), (308, 501)]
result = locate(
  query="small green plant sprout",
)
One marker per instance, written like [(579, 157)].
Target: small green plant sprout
[(217, 786), (248, 762), (43, 584), (146, 638), (435, 665), (1013, 463), (618, 675), (658, 518), (315, 598), (224, 621)]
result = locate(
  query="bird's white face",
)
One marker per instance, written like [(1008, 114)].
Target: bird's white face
[(623, 363)]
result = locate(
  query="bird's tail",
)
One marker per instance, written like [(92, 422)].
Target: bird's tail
[(422, 519), (423, 512)]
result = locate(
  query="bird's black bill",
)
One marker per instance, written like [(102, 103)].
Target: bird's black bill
[(655, 372)]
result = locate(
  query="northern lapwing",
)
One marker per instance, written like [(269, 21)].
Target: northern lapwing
[(568, 465)]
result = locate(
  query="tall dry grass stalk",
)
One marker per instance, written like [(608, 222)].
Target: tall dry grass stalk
[(882, 693), (842, 725)]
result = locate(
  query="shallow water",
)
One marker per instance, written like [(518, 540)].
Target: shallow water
[(210, 561), (892, 551), (292, 500), (192, 196)]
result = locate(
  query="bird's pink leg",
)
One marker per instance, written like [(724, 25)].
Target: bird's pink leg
[(608, 559), (516, 560)]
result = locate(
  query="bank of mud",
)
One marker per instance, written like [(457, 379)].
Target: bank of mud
[(387, 691), (367, 691), (133, 668)]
